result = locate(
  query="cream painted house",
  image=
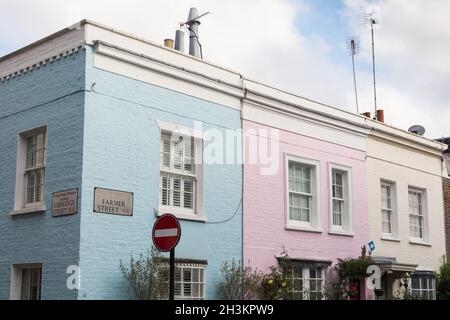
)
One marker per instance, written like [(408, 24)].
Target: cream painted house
[(406, 219)]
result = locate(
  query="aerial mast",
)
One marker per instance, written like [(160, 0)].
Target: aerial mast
[(353, 46)]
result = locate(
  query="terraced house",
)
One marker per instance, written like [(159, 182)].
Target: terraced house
[(313, 207), (102, 132), (95, 111), (406, 215)]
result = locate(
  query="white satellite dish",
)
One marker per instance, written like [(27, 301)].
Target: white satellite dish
[(417, 129)]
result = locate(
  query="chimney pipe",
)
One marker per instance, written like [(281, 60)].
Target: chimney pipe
[(179, 40), (168, 43), (366, 114), (380, 115), (193, 23)]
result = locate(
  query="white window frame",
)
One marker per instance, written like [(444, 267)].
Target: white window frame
[(430, 279), (196, 213), (424, 214), (347, 217), (393, 210), (306, 278), (315, 224), (20, 204), (16, 279), (180, 283)]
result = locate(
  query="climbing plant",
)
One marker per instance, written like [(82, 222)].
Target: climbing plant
[(350, 271)]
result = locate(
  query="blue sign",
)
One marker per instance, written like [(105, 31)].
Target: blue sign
[(371, 246)]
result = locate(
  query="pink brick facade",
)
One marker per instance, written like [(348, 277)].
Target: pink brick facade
[(265, 232)]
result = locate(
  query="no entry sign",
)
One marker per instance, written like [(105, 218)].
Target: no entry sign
[(166, 233)]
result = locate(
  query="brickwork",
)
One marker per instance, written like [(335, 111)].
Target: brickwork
[(446, 190)]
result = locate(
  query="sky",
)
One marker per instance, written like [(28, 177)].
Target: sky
[(295, 45)]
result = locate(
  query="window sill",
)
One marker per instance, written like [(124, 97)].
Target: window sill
[(341, 233), (390, 238), (419, 242), (303, 228), (28, 210), (181, 215)]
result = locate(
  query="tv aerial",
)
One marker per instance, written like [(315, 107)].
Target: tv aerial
[(353, 47), (191, 25), (372, 18)]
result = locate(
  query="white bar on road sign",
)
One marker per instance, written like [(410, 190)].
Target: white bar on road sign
[(166, 233)]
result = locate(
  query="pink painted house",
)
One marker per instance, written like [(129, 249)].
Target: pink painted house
[(311, 199)]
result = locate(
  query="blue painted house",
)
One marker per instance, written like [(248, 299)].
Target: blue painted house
[(91, 112)]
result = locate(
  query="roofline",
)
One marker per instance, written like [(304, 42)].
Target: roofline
[(424, 141), (445, 140), (40, 41), (153, 43), (384, 128)]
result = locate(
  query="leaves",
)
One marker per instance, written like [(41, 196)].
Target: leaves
[(147, 276), (237, 282), (443, 281), (350, 271)]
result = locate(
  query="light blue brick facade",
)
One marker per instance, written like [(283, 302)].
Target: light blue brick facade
[(107, 137), (121, 151), (52, 95)]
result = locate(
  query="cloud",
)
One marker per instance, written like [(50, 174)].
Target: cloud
[(261, 39)]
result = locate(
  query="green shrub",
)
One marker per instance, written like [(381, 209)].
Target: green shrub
[(274, 285), (238, 283), (443, 281), (147, 276)]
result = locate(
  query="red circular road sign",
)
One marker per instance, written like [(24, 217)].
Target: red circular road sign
[(166, 232)]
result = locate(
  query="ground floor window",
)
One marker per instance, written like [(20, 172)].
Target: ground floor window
[(189, 283), (189, 280), (26, 282), (306, 281), (31, 284), (423, 286)]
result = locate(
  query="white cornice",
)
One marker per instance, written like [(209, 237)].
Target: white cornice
[(167, 68)]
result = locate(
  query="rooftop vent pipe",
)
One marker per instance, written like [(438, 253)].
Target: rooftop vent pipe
[(194, 43), (168, 43), (179, 40)]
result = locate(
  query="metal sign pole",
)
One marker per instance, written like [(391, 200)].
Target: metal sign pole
[(166, 234), (172, 275)]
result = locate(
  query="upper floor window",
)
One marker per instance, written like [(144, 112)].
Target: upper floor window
[(340, 199), (177, 172), (35, 167), (30, 173), (180, 174), (302, 202), (417, 213), (388, 210)]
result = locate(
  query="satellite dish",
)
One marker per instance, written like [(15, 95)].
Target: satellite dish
[(417, 129)]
